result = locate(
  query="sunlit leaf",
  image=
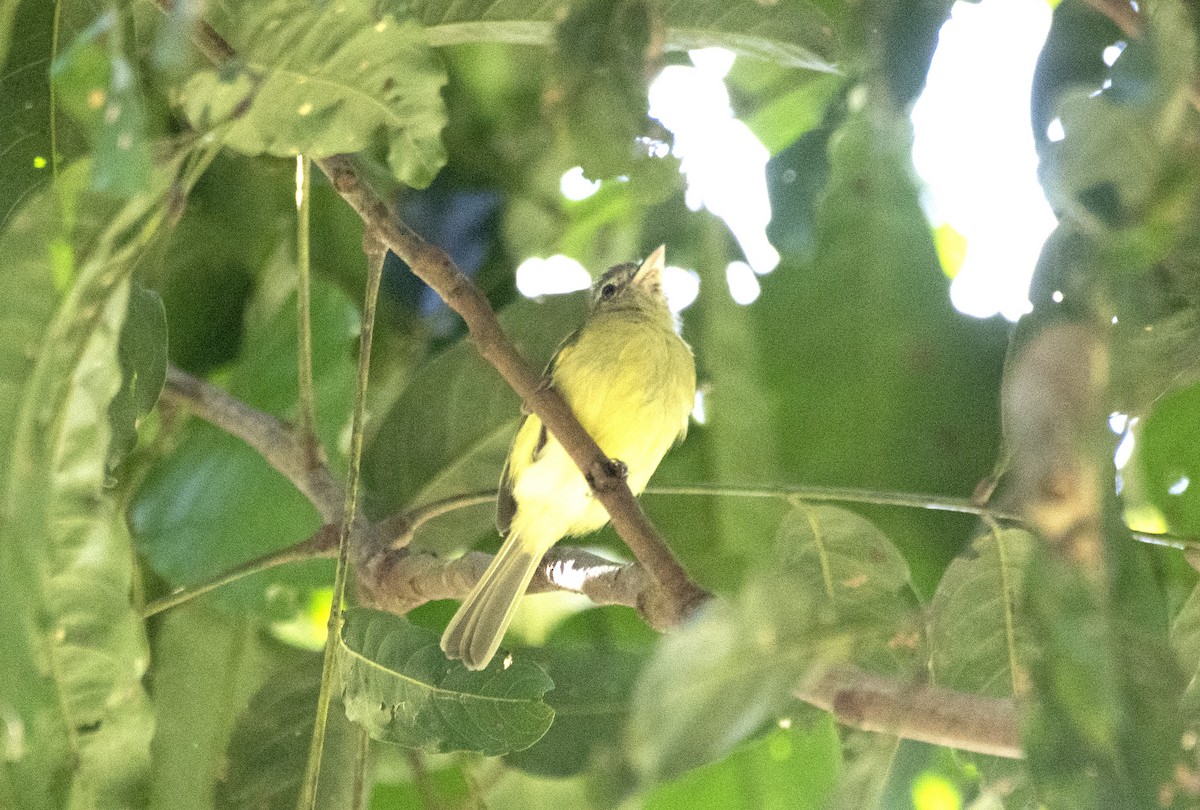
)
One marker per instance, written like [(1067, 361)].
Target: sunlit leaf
[(402, 689), (321, 81)]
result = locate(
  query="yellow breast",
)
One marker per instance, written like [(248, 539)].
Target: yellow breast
[(631, 383)]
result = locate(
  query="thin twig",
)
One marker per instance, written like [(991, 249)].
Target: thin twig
[(267, 435), (304, 352), (866, 497), (323, 543), (433, 266), (308, 796)]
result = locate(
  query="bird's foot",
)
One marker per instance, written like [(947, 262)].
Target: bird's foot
[(605, 474)]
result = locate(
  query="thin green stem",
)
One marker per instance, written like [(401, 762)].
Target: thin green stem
[(308, 411), (54, 99), (840, 495), (306, 550), (308, 796)]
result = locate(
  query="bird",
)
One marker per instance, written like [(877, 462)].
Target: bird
[(630, 380)]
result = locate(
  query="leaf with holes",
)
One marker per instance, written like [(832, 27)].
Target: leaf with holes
[(322, 81), (400, 687)]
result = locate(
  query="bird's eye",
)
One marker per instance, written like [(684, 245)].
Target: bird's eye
[(608, 291)]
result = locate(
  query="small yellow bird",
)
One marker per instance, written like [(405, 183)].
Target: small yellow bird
[(631, 381)]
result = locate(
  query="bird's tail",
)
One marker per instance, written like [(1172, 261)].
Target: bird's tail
[(475, 632)]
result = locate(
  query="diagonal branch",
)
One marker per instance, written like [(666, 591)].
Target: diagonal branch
[(270, 437), (677, 595)]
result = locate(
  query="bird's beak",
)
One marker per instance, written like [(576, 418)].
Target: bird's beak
[(649, 275)]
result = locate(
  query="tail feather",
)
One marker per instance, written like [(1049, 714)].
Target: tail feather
[(475, 632)]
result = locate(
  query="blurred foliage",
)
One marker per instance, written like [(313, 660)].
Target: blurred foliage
[(147, 217)]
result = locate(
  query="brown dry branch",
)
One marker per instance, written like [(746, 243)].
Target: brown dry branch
[(270, 437), (931, 714), (679, 595)]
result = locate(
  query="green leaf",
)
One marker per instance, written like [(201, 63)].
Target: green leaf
[(591, 698), (268, 750), (977, 626), (797, 34), (207, 666), (213, 502), (1105, 728), (320, 80), (98, 85), (449, 431), (711, 684), (878, 382), (25, 132), (142, 352), (857, 580), (835, 590), (76, 716), (402, 689)]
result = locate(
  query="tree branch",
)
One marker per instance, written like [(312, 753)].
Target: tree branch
[(270, 437), (931, 714), (677, 595)]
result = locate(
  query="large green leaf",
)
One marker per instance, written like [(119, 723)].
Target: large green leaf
[(402, 689), (877, 382), (714, 682), (74, 647), (321, 80), (977, 629), (795, 33)]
